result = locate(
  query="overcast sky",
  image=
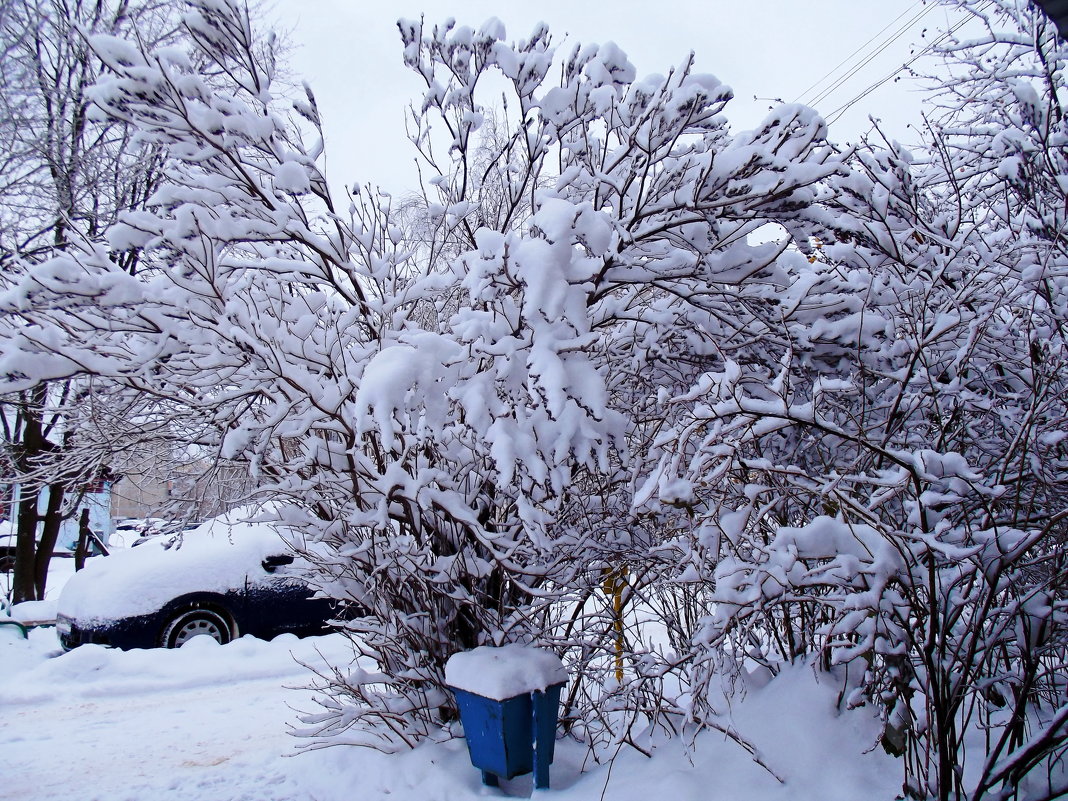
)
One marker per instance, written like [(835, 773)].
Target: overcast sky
[(349, 51)]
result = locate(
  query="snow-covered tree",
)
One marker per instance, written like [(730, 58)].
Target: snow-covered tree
[(70, 171), (891, 496), (66, 176)]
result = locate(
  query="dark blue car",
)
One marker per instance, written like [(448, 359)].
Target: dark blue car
[(223, 579)]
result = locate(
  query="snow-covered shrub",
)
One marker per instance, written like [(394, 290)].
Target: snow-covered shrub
[(464, 418), (563, 397), (891, 497)]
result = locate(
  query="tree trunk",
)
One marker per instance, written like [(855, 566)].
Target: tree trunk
[(49, 536), (24, 587), (32, 556), (83, 541)]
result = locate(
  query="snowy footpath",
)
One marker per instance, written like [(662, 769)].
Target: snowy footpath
[(210, 723)]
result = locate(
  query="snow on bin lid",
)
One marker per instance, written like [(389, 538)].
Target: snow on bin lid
[(504, 672)]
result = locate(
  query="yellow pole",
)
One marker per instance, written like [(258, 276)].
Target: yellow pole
[(615, 581)]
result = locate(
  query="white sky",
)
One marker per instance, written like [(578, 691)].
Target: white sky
[(349, 52)]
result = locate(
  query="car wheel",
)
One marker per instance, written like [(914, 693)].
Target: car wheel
[(194, 623)]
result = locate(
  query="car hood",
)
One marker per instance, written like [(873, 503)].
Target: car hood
[(215, 557)]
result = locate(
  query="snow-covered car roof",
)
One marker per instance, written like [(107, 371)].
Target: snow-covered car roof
[(216, 556)]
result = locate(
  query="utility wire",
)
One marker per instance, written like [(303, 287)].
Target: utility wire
[(901, 31), (845, 60), (835, 115)]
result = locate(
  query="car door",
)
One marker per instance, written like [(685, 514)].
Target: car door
[(279, 600)]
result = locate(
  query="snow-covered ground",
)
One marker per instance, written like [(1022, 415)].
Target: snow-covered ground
[(209, 723)]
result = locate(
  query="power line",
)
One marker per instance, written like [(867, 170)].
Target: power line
[(872, 56), (879, 48), (845, 60), (835, 115)]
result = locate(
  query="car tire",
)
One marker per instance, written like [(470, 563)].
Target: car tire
[(194, 623)]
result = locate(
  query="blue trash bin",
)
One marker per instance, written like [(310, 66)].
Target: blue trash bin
[(513, 735)]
